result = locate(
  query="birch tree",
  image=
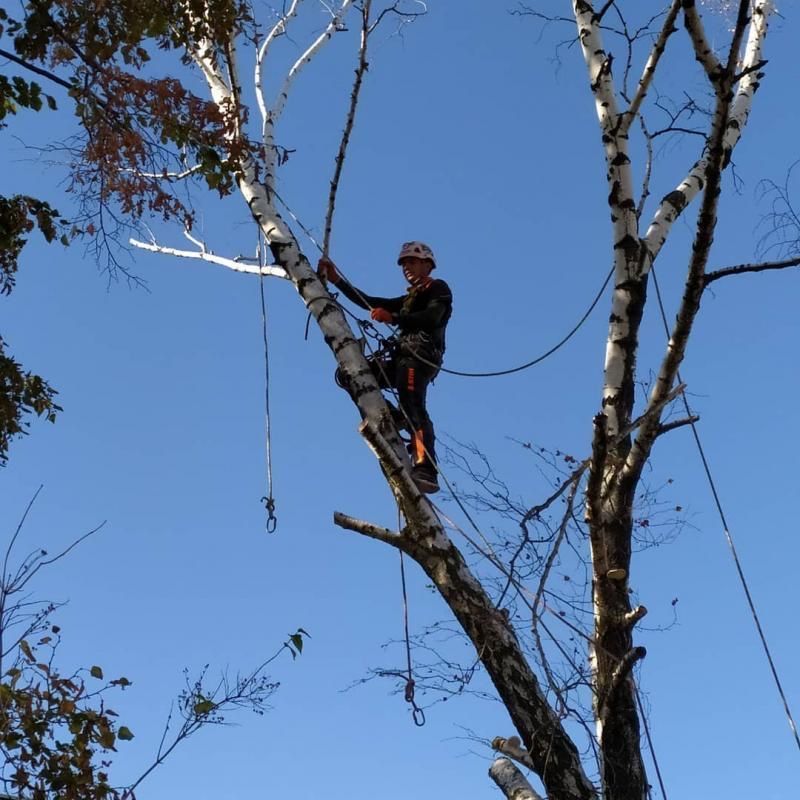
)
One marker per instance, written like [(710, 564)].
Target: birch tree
[(228, 141)]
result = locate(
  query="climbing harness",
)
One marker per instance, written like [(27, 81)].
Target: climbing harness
[(268, 500)]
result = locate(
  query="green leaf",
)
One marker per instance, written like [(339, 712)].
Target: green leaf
[(26, 649), (125, 734), (96, 672)]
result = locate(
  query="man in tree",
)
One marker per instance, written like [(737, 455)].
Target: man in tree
[(416, 352)]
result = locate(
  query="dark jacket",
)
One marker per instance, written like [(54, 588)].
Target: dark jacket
[(423, 309)]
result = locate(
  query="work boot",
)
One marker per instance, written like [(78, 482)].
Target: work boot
[(424, 475)]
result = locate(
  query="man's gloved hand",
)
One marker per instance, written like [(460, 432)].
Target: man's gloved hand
[(327, 270), (382, 315)]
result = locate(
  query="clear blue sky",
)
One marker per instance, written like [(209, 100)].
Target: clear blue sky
[(472, 138)]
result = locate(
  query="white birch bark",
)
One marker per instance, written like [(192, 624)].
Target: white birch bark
[(730, 119), (674, 203), (623, 213), (211, 258), (615, 466), (511, 782)]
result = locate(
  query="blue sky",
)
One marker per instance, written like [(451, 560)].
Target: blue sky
[(472, 138)]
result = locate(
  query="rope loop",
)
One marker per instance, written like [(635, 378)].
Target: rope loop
[(272, 519), (417, 713)]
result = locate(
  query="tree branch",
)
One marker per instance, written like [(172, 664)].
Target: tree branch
[(702, 49), (652, 63), (306, 57), (729, 114), (368, 529), (202, 255), (678, 423), (38, 70), (741, 269), (676, 201), (348, 126), (621, 673), (278, 29), (511, 781)]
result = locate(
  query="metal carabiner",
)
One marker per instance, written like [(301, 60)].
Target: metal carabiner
[(272, 520)]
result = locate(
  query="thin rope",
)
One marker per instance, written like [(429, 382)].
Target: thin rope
[(417, 714), (268, 499), (726, 531), (538, 359), (643, 717)]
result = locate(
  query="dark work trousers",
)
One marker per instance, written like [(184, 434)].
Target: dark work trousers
[(410, 377)]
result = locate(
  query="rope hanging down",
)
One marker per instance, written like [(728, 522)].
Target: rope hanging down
[(417, 713), (268, 500), (726, 531), (460, 373)]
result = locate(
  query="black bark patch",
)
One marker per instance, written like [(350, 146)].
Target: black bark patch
[(303, 284), (277, 248), (676, 199), (629, 245), (342, 343)]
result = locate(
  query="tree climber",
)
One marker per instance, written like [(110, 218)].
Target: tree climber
[(415, 354)]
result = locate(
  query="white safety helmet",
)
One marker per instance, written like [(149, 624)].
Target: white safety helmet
[(416, 250)]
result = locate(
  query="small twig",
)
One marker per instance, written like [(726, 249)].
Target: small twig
[(14, 538)]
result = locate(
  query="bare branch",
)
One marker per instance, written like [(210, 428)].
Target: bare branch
[(741, 269), (652, 63), (676, 201), (202, 255), (368, 529), (678, 423), (728, 120), (278, 30), (37, 70), (333, 26), (702, 48), (348, 126), (632, 617), (167, 176)]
